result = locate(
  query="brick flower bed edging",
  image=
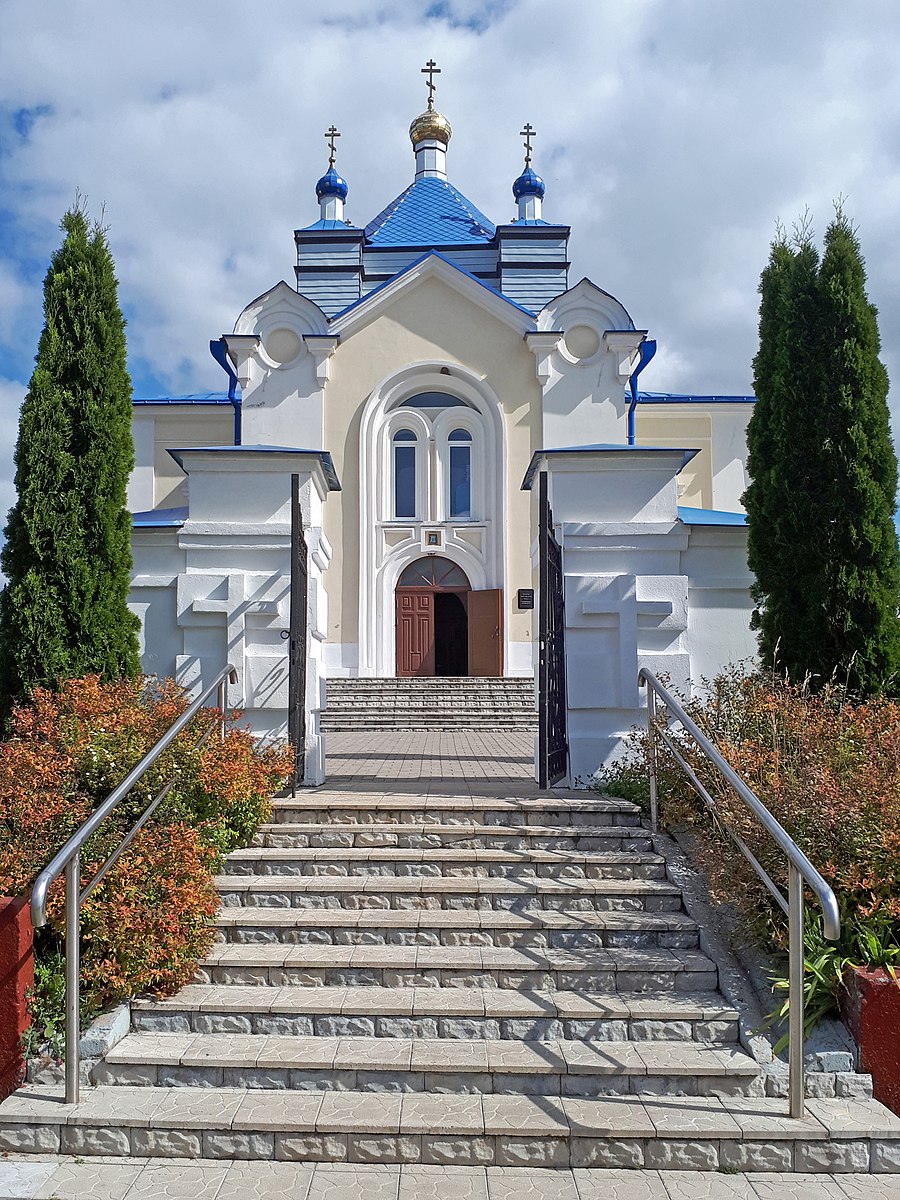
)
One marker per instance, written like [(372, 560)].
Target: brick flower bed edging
[(16, 976), (871, 1009)]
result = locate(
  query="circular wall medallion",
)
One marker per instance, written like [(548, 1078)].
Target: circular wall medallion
[(282, 345), (581, 341)]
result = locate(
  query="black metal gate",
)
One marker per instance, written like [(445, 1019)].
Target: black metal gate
[(553, 745), (297, 638)]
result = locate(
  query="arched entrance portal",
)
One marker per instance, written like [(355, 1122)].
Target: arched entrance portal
[(442, 626)]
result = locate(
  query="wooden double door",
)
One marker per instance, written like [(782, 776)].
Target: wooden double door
[(448, 631)]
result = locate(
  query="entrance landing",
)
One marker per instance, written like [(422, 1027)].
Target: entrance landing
[(476, 763)]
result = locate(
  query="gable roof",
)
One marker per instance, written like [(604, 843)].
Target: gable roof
[(432, 264), (431, 212)]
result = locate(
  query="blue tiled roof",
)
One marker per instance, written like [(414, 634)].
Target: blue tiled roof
[(431, 212), (329, 224)]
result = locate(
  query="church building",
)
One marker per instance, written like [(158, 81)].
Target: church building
[(413, 372)]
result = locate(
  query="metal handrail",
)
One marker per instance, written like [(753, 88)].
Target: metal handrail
[(799, 866), (68, 859)]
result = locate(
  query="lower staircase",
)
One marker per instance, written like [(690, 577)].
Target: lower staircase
[(431, 703), (452, 979)]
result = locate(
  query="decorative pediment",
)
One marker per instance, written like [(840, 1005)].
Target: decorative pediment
[(432, 266)]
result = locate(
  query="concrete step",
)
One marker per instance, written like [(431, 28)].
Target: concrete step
[(468, 1013), (415, 724), (621, 971), (507, 685), (401, 1064), (458, 836), (325, 806), (395, 861), (701, 1133), (448, 893), (373, 927)]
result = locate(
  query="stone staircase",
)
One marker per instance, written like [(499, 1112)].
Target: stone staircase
[(447, 703), (505, 979)]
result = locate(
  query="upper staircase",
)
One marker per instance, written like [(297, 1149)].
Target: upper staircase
[(431, 703), (453, 975)]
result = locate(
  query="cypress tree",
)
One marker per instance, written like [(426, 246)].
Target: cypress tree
[(821, 541), (63, 612)]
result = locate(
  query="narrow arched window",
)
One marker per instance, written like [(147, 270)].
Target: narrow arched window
[(460, 473), (404, 473)]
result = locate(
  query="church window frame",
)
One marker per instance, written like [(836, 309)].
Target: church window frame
[(405, 454), (459, 474)]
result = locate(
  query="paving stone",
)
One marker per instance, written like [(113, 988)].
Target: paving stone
[(619, 1185), (695, 1185), (422, 1182), (345, 1183), (265, 1181), (174, 1181), (25, 1179), (796, 1187), (515, 1183)]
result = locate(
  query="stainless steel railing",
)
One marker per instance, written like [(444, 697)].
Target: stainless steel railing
[(68, 859), (800, 869)]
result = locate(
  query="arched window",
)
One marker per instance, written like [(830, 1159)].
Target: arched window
[(460, 473), (436, 572), (404, 473)]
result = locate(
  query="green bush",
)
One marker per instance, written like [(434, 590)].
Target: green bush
[(828, 769), (149, 920)]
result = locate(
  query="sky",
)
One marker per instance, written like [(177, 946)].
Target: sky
[(672, 136)]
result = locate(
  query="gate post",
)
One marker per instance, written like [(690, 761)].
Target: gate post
[(624, 595), (238, 587)]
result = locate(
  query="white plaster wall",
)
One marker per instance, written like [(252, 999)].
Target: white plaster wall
[(729, 455), (140, 482), (720, 603), (218, 589), (642, 589)]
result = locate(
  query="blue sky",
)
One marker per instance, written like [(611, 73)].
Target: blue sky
[(672, 134)]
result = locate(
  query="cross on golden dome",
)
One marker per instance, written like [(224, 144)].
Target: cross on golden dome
[(431, 69), (331, 134)]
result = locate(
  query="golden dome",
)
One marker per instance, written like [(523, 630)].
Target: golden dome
[(430, 126)]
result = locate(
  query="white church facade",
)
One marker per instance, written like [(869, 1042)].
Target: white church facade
[(416, 374)]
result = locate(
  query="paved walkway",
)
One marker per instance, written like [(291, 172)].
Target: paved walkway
[(24, 1178)]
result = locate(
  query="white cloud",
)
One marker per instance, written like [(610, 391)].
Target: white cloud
[(670, 136)]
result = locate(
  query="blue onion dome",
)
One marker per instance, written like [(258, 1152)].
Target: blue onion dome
[(331, 184), (528, 184)]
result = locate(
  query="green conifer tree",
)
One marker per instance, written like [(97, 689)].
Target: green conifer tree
[(67, 557), (821, 542)]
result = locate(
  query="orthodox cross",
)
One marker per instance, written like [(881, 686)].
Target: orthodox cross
[(331, 134), (431, 69), (527, 133)]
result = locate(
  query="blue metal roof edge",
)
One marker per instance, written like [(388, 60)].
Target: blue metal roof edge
[(689, 398), (323, 456), (603, 448), (202, 398), (415, 263), (710, 516), (159, 518)]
